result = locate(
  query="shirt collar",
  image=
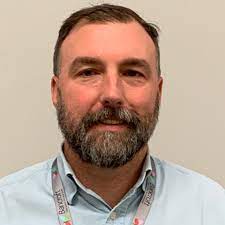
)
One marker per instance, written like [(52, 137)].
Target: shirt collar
[(143, 179), (67, 177), (71, 183), (147, 168)]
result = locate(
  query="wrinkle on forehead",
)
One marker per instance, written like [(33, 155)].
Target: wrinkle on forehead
[(76, 42)]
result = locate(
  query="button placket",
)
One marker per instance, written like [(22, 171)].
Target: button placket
[(113, 215)]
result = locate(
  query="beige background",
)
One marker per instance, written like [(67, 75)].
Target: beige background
[(191, 131)]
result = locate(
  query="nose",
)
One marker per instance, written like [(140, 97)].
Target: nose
[(112, 91)]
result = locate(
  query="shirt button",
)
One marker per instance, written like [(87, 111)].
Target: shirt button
[(113, 216)]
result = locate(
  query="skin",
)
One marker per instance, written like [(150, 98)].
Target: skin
[(109, 78)]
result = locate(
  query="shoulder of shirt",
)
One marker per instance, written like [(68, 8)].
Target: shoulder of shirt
[(24, 175), (183, 175)]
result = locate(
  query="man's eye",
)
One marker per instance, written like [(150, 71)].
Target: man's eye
[(88, 72), (132, 73)]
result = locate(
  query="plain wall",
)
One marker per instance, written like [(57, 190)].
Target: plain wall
[(191, 130)]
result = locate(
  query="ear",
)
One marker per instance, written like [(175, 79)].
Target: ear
[(54, 89), (160, 85)]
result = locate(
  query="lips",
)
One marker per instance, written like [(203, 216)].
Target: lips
[(112, 122)]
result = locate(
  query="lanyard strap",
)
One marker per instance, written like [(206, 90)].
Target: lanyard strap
[(62, 207), (61, 204)]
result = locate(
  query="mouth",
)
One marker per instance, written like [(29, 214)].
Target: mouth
[(110, 125), (112, 122)]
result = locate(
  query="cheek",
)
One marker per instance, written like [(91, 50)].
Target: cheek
[(79, 100), (142, 100)]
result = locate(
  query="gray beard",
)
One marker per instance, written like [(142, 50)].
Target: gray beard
[(106, 148)]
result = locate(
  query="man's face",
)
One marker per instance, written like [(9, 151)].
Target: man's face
[(108, 92)]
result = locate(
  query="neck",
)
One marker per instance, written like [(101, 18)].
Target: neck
[(111, 184)]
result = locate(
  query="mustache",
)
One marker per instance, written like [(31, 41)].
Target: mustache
[(122, 115)]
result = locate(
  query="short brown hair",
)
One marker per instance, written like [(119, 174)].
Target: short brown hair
[(102, 14)]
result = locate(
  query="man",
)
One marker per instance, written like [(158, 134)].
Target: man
[(106, 89)]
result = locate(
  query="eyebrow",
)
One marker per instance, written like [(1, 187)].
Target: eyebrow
[(92, 61), (85, 61)]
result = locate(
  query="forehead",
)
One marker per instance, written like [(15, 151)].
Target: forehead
[(111, 42)]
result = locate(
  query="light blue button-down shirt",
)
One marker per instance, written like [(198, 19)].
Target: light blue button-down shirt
[(182, 197)]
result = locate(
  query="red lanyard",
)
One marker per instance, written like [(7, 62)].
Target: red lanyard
[(62, 207)]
